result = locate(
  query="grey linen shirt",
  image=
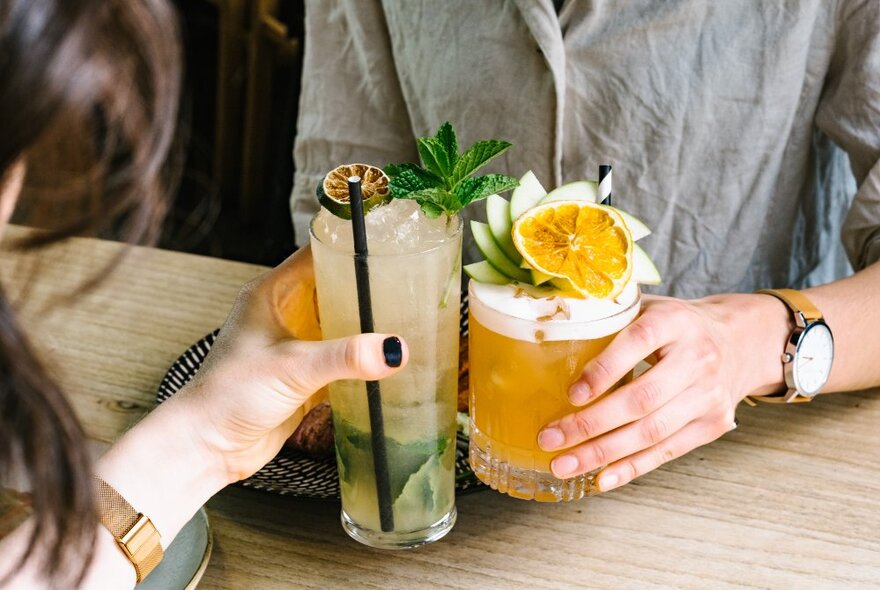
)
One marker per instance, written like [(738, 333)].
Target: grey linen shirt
[(745, 133)]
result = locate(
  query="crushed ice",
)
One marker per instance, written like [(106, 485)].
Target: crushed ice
[(396, 228)]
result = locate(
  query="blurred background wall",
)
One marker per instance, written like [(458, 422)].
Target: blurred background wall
[(241, 92)]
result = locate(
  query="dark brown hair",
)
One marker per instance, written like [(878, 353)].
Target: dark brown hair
[(98, 80)]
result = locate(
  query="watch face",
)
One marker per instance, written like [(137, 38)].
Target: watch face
[(812, 360)]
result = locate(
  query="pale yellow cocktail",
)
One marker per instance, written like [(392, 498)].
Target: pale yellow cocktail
[(415, 285)]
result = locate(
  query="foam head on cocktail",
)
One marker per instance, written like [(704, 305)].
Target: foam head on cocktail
[(560, 279)]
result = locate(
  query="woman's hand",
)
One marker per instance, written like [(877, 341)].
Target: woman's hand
[(264, 374), (710, 354)]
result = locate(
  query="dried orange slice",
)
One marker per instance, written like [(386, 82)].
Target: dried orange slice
[(588, 244), (333, 190)]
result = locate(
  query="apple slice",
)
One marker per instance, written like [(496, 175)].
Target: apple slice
[(539, 278), (636, 227), (498, 216), (526, 195), (494, 255), (644, 271), (483, 272), (582, 190)]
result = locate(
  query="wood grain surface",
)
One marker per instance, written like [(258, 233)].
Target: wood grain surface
[(791, 499)]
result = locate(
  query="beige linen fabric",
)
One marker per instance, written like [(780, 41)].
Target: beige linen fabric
[(743, 132)]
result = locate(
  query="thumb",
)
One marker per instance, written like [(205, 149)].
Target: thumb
[(368, 357)]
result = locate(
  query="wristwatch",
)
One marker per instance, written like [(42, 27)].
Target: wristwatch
[(133, 532), (809, 350)]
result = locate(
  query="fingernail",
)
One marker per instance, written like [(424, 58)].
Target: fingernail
[(579, 393), (392, 350), (550, 438), (606, 482), (565, 465)]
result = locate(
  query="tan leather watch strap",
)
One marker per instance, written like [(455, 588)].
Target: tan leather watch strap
[(134, 533), (799, 305), (796, 302), (777, 398)]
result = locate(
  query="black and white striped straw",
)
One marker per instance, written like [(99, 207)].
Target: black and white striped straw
[(605, 184)]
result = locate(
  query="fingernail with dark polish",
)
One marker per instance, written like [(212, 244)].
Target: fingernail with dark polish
[(393, 351)]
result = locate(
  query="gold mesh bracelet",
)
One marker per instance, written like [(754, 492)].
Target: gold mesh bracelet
[(134, 533)]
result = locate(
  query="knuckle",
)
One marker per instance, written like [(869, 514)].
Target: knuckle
[(646, 397), (724, 423), (665, 454), (584, 425), (644, 332), (677, 309), (352, 354), (599, 372), (630, 470), (708, 354), (296, 350), (721, 410), (597, 455), (297, 363), (655, 430), (729, 416), (714, 398)]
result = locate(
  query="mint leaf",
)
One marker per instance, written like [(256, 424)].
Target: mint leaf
[(475, 158), (448, 141), (423, 496), (477, 189), (435, 201), (437, 195), (440, 153), (431, 210), (434, 156), (426, 179), (405, 459), (393, 170), (440, 186), (411, 178)]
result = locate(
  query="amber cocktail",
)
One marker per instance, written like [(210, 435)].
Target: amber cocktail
[(524, 355)]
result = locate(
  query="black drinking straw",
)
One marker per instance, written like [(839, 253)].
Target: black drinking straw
[(374, 395), (605, 183)]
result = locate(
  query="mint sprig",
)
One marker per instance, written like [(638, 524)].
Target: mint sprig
[(446, 183)]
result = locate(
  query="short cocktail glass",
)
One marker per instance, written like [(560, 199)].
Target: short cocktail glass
[(415, 287), (524, 355)]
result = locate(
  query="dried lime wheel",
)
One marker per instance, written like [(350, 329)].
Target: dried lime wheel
[(333, 190)]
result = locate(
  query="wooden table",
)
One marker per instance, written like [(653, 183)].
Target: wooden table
[(790, 499)]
